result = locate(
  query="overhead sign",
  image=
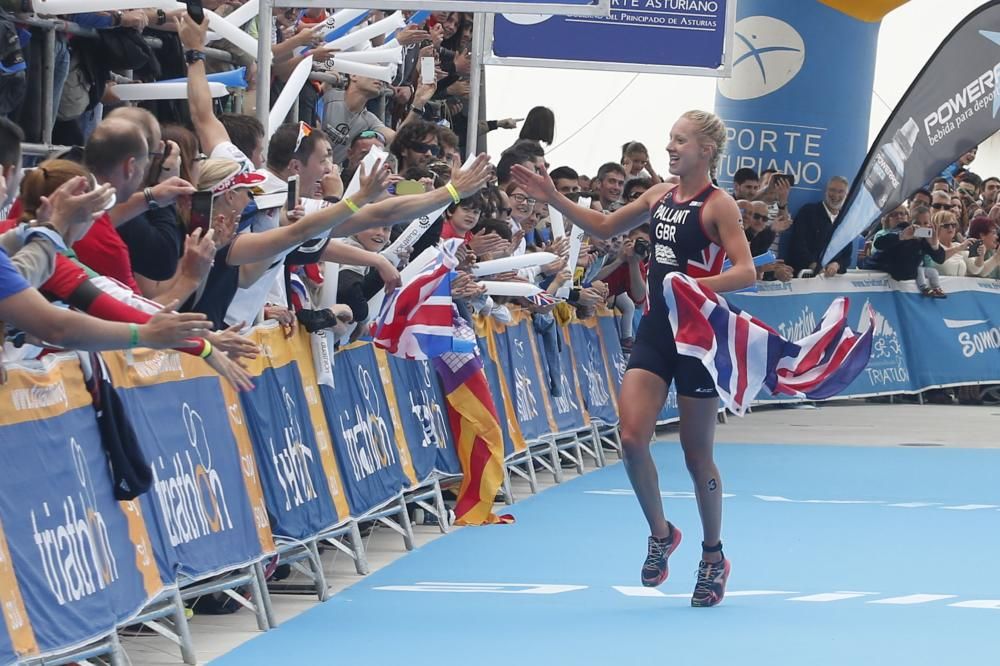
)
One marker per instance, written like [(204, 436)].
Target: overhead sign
[(656, 36), (568, 7)]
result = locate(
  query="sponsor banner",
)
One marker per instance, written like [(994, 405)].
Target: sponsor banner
[(918, 342), (596, 378), (569, 408), (361, 429), (776, 116), (423, 416), (72, 563), (520, 368), (285, 445), (513, 438), (198, 512), (949, 108), (665, 36)]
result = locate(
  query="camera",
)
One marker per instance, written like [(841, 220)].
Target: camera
[(641, 247), (974, 248)]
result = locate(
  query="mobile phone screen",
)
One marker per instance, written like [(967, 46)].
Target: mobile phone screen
[(201, 211), (196, 11), (427, 69), (293, 193)]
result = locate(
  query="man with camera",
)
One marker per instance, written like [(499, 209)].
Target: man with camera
[(626, 280)]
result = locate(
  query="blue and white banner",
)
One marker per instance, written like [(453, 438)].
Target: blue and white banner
[(568, 408), (424, 418), (797, 100), (513, 443), (361, 428), (596, 379), (918, 342), (663, 36), (78, 573), (288, 459), (522, 372), (198, 510)]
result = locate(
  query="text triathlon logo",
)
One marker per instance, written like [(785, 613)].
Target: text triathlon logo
[(775, 52)]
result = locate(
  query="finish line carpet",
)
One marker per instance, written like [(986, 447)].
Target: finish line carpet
[(840, 556)]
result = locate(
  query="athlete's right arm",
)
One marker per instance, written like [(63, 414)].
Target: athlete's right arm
[(540, 187)]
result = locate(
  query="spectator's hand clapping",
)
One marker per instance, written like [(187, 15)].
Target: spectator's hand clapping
[(230, 370), (168, 329), (559, 247), (389, 274), (782, 271), (470, 180), (72, 205), (373, 184), (557, 266), (781, 223), (486, 242), (994, 213), (437, 35), (464, 287)]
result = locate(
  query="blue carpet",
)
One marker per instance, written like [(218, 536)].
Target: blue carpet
[(803, 522)]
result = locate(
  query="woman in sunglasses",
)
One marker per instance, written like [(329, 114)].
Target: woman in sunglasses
[(955, 252)]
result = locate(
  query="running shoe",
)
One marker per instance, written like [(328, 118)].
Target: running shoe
[(654, 569), (711, 585)]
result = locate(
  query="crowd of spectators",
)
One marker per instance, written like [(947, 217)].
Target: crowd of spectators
[(186, 203)]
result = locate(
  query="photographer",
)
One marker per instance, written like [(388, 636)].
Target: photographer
[(626, 280), (902, 251)]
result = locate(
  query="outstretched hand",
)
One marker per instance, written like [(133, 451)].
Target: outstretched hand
[(373, 183), (472, 178), (537, 186)]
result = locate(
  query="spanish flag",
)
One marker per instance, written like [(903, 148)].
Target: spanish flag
[(476, 428)]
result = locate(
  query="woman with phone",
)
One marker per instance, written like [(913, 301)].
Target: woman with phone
[(685, 218), (902, 252)]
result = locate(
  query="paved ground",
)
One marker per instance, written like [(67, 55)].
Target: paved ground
[(852, 423)]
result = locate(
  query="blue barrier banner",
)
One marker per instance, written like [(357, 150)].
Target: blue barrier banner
[(521, 370), (68, 540), (198, 511), (364, 442), (636, 36), (424, 418), (918, 342), (569, 408), (291, 472), (513, 440), (955, 341), (595, 378), (775, 113)]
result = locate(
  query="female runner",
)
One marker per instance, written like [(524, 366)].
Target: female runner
[(685, 218)]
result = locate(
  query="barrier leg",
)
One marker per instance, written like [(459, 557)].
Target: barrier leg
[(556, 459), (508, 489), (117, 654), (444, 520), (595, 439), (358, 546), (259, 593), (183, 630), (258, 572), (404, 519)]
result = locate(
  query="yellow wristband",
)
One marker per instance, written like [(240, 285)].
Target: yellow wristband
[(207, 350), (455, 196), (350, 204)]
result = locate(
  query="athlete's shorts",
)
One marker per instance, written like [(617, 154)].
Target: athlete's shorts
[(655, 351)]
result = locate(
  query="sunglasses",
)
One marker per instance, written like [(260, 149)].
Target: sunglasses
[(635, 195), (372, 134), (941, 206), (431, 148), (758, 216)]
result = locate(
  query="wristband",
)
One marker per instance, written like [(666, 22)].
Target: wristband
[(492, 125), (161, 17), (350, 204), (455, 196), (134, 339), (206, 350), (191, 56)]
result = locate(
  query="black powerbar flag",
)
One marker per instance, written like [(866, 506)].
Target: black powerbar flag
[(950, 107)]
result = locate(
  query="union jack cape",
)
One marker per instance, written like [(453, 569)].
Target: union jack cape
[(743, 354)]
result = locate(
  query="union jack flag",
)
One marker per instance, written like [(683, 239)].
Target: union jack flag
[(543, 298), (415, 322), (709, 262), (744, 354)]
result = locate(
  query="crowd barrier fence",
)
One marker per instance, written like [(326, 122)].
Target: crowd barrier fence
[(295, 465)]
